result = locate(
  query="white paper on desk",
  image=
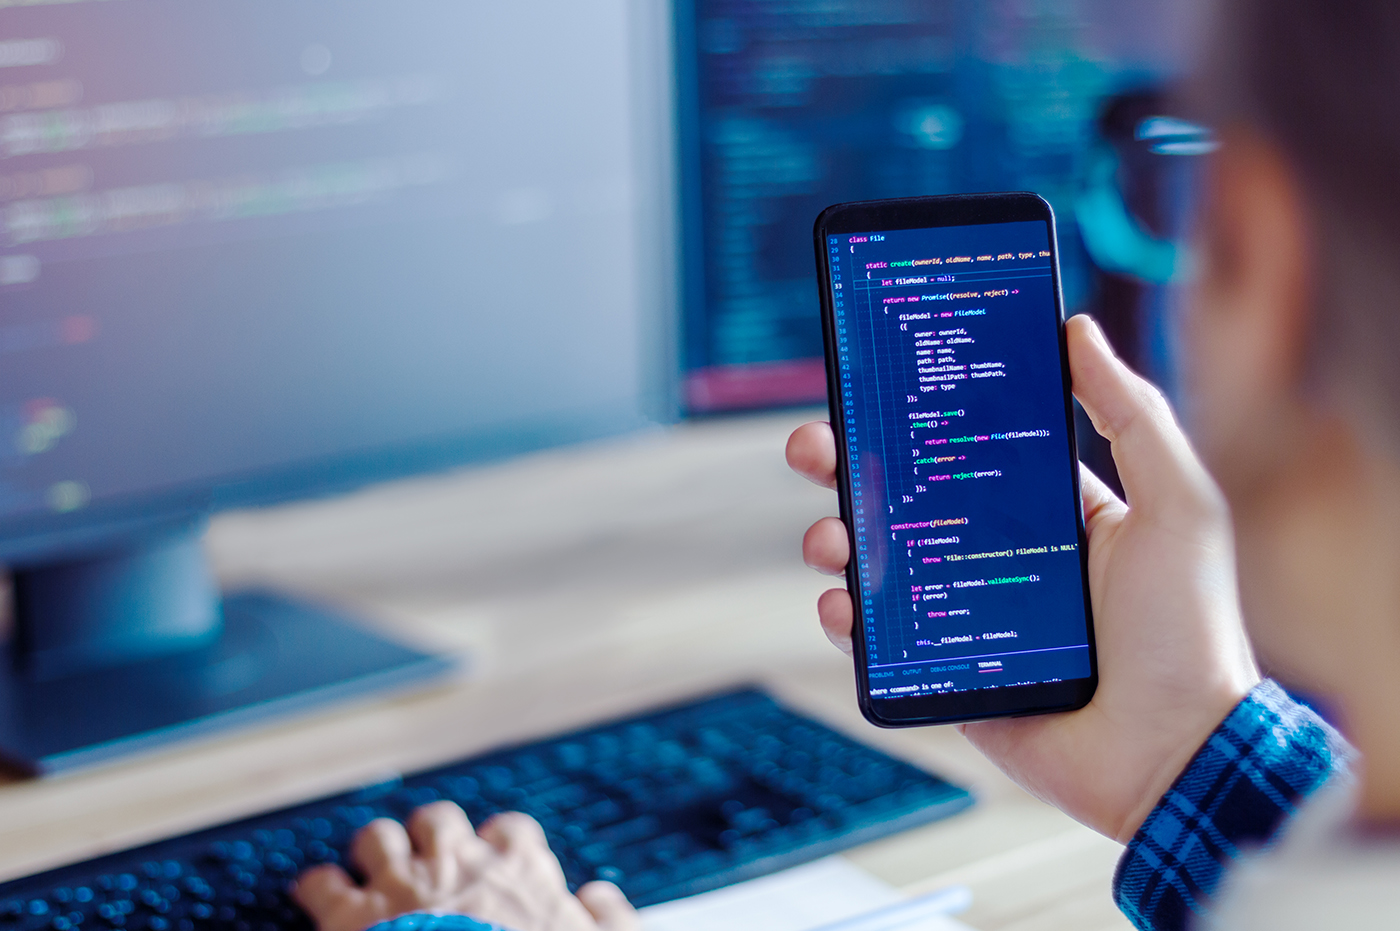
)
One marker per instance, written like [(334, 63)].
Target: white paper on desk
[(798, 899)]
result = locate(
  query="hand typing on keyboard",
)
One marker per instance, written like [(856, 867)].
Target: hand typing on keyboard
[(504, 874), (665, 804)]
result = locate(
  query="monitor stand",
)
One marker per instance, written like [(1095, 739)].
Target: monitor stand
[(122, 651)]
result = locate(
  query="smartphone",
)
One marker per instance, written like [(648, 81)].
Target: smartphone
[(956, 464)]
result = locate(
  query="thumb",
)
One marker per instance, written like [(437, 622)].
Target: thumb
[(609, 907), (1162, 478)]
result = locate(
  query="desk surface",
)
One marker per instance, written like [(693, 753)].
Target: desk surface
[(578, 584)]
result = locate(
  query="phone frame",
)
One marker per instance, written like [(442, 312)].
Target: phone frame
[(927, 213)]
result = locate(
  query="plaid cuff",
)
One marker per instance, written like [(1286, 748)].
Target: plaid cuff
[(1266, 757), (422, 921)]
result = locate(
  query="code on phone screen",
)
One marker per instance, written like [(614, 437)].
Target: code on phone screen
[(961, 472)]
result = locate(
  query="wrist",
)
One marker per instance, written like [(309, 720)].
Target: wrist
[(1267, 756), (1207, 717), (430, 921)]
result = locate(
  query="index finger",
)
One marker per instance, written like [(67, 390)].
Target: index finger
[(811, 452), (441, 830)]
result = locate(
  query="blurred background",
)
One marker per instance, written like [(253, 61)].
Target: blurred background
[(345, 344), (785, 108), (253, 253)]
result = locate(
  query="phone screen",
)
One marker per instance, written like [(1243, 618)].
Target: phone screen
[(957, 430)]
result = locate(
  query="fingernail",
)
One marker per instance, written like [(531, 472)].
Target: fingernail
[(1098, 330), (1102, 337)]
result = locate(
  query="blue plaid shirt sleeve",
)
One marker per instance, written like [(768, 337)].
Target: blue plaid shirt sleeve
[(1269, 755), (422, 921)]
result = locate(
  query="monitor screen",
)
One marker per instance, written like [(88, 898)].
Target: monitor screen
[(789, 106), (252, 248)]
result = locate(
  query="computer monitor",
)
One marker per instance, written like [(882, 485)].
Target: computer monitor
[(788, 106), (253, 250)]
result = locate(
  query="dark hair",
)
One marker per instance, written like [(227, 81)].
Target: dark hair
[(1321, 78)]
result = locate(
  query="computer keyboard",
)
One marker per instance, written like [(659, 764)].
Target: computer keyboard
[(667, 804)]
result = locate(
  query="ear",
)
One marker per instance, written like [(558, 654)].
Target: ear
[(1246, 331)]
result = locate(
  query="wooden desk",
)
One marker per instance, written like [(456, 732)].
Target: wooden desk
[(580, 584)]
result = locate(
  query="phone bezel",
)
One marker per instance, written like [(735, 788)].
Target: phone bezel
[(928, 213)]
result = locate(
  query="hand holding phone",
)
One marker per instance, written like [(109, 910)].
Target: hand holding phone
[(1174, 657)]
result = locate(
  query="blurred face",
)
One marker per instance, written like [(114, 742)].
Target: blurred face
[(1239, 365), (1317, 515), (1244, 405)]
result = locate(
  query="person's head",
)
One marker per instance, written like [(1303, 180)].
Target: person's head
[(1291, 342), (1305, 93)]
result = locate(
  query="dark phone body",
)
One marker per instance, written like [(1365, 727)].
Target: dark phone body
[(1058, 671)]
